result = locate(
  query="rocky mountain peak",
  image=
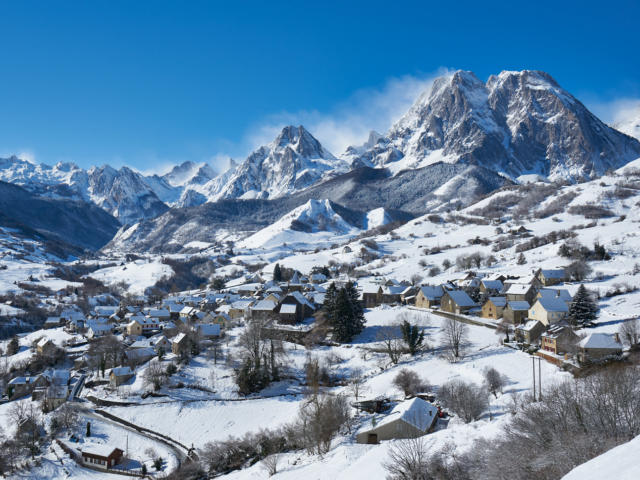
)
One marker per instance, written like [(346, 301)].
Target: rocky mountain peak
[(516, 123)]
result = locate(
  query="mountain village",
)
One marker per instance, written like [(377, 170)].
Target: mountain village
[(403, 310)]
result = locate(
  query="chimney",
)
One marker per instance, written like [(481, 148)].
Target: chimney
[(616, 337), (557, 293)]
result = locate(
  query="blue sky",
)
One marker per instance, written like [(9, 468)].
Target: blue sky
[(152, 83)]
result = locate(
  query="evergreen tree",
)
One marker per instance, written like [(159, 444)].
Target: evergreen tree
[(277, 273), (412, 336), (583, 308), (344, 312), (357, 312), (13, 346), (330, 302), (521, 259)]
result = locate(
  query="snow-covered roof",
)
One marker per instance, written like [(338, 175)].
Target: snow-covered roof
[(43, 341), (178, 338), (432, 292), (300, 298), (288, 308), (264, 306), (518, 305), (600, 340), (492, 284), (461, 298), (416, 412), (98, 450), (560, 293), (499, 301), (105, 311), (553, 304), (518, 288), (119, 371), (553, 273), (241, 304), (394, 289), (209, 329), (528, 326)]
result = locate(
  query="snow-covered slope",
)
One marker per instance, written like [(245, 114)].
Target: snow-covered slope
[(516, 123), (312, 223), (620, 463)]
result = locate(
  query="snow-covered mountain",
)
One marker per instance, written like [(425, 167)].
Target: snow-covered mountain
[(517, 123), (628, 121), (294, 161), (316, 220), (124, 193)]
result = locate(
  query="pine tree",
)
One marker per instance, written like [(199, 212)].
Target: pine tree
[(521, 259), (344, 312), (330, 302), (583, 308), (13, 347), (277, 273), (412, 336), (357, 319)]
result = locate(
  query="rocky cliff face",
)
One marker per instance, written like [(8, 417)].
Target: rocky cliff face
[(516, 123), (295, 160)]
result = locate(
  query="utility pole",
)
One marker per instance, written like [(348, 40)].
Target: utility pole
[(533, 363), (539, 378)]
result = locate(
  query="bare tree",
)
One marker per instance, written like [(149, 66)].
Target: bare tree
[(454, 337), (320, 419), (407, 460), (630, 332), (391, 338), (155, 376), (410, 382), (66, 417), (468, 400), (270, 464), (356, 382)]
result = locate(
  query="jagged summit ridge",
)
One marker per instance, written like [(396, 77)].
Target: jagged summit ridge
[(516, 123)]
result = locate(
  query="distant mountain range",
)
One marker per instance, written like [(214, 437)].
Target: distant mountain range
[(462, 138)]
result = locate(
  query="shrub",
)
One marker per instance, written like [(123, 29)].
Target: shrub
[(467, 400), (409, 382)]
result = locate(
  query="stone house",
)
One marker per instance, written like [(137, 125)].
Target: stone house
[(456, 301), (371, 296), (521, 292), (264, 310), (120, 375), (559, 339), (516, 312), (551, 277), (548, 310), (598, 346), (429, 296), (179, 344), (493, 307), (46, 347), (529, 333)]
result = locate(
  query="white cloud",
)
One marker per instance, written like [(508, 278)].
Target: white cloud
[(350, 122), (621, 113)]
